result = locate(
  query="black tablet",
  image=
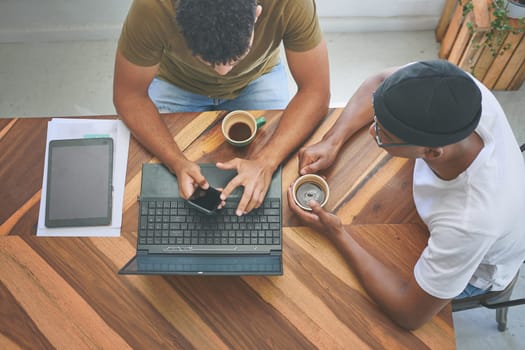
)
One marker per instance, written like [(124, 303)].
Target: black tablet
[(79, 182)]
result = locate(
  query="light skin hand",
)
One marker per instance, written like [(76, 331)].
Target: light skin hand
[(253, 177), (189, 177), (223, 202)]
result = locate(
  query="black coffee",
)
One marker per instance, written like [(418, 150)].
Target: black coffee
[(239, 132)]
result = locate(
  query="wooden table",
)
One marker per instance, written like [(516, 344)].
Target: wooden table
[(65, 293)]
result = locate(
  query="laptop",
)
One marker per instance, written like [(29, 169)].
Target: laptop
[(174, 238)]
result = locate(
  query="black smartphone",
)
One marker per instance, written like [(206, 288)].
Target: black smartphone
[(206, 201)]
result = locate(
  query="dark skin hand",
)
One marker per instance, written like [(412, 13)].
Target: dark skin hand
[(399, 298), (316, 157), (357, 113)]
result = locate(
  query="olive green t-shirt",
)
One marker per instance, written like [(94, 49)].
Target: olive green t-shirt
[(150, 35)]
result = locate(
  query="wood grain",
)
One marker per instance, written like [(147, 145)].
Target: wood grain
[(451, 33), (518, 79), (445, 18), (65, 293), (513, 66), (461, 41)]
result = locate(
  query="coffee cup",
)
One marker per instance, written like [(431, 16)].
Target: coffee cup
[(240, 127), (310, 187)]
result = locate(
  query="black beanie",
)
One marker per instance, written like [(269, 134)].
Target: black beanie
[(428, 103)]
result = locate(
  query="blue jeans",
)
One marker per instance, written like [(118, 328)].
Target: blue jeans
[(269, 91), (471, 291)]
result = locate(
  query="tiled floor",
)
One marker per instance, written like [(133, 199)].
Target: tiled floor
[(75, 78)]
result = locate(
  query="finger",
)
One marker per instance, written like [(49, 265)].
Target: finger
[(300, 156), (200, 180), (260, 197), (306, 170), (230, 187), (243, 204), (186, 189), (303, 214), (291, 201), (231, 164), (317, 209), (247, 194), (304, 159), (221, 205), (256, 200), (311, 168)]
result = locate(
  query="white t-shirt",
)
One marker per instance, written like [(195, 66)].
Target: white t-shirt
[(477, 220)]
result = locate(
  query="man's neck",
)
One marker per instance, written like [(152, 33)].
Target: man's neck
[(457, 158)]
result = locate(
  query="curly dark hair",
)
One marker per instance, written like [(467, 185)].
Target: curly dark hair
[(218, 31)]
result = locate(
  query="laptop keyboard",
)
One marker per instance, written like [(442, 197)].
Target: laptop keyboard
[(175, 222)]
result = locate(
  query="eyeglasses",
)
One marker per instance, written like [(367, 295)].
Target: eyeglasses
[(384, 145)]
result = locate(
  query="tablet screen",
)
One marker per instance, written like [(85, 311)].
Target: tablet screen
[(79, 182)]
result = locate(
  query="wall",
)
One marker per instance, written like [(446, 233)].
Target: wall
[(379, 15), (52, 20)]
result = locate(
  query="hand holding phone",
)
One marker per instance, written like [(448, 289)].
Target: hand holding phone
[(206, 201)]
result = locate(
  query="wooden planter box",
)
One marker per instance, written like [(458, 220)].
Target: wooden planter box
[(459, 46)]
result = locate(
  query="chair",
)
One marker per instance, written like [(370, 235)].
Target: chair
[(499, 300)]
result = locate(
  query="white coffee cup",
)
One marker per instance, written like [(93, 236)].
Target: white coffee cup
[(240, 127), (310, 187)]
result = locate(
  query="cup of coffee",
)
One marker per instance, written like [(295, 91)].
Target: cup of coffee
[(240, 127), (310, 187)]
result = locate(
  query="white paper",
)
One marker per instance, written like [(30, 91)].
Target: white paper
[(63, 129)]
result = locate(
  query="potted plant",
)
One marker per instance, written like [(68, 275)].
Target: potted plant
[(516, 8), (500, 25)]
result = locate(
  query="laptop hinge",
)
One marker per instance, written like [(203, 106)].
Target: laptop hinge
[(142, 252)]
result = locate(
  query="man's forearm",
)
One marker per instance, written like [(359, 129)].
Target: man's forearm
[(358, 112), (300, 118), (143, 120), (385, 286), (381, 283)]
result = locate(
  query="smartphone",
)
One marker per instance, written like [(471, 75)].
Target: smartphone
[(205, 201)]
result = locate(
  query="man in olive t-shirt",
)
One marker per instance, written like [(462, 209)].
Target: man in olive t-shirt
[(173, 54)]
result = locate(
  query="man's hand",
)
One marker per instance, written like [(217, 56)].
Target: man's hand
[(253, 176), (402, 300), (189, 177), (318, 219), (316, 157)]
